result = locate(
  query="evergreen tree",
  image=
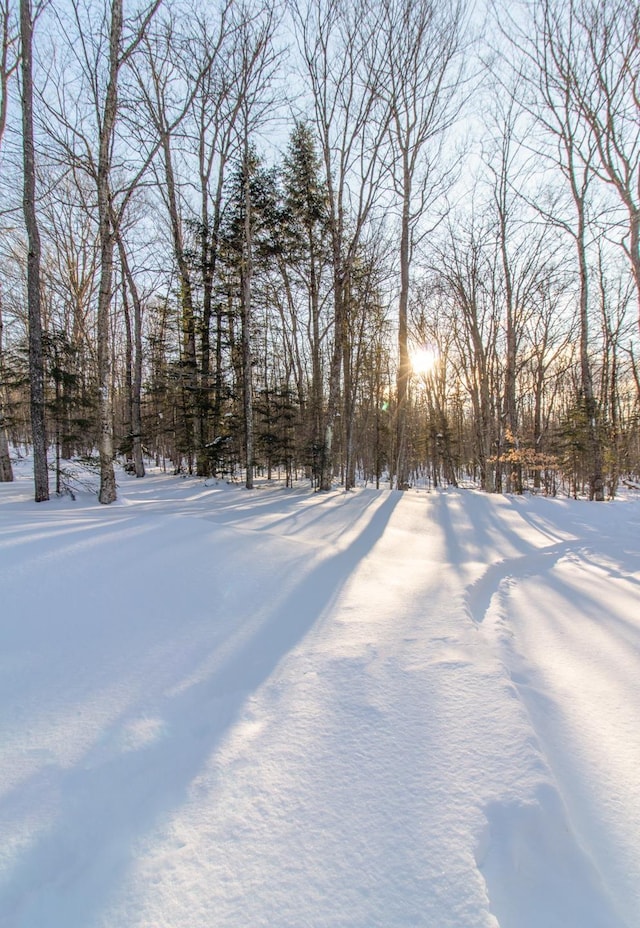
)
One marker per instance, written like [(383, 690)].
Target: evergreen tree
[(305, 259)]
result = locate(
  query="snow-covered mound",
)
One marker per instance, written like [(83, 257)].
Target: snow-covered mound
[(232, 709)]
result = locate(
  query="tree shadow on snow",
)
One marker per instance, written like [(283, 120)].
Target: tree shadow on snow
[(107, 803)]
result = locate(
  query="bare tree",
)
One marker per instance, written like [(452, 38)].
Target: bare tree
[(85, 134), (36, 363), (615, 297), (107, 120), (502, 202), (351, 120), (246, 300), (9, 58), (546, 62), (215, 110), (8, 66), (229, 95), (420, 73), (107, 230), (605, 89), (156, 74), (70, 282), (256, 59), (465, 275), (430, 325), (524, 271)]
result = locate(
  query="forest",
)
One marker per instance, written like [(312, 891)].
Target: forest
[(391, 242)]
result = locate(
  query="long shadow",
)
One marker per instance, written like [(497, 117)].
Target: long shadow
[(108, 807), (361, 502), (488, 527), (582, 604), (493, 519), (17, 534), (290, 510), (456, 555), (537, 561), (604, 543), (541, 560), (556, 724)]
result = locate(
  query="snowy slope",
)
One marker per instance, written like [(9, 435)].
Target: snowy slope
[(234, 710)]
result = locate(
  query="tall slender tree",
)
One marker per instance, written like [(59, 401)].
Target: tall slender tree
[(155, 76), (255, 63), (134, 367), (84, 131), (36, 361), (8, 66), (107, 119), (6, 468)]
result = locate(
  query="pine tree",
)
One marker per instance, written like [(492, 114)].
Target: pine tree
[(306, 255)]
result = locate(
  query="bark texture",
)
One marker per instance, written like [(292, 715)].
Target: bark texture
[(36, 363)]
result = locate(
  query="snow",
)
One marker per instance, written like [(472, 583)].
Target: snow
[(278, 708)]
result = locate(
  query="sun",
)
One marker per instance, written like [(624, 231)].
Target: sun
[(423, 360)]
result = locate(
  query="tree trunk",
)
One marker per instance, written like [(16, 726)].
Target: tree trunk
[(107, 493), (404, 363), (349, 413), (247, 354), (6, 470), (596, 481), (209, 257), (128, 378), (36, 363), (6, 69), (316, 363), (134, 362), (336, 226), (190, 364)]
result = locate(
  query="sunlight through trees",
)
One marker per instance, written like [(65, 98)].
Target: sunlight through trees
[(324, 241)]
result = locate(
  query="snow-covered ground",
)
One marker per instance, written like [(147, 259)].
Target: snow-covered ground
[(232, 709)]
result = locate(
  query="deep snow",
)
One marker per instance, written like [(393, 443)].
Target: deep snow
[(232, 709)]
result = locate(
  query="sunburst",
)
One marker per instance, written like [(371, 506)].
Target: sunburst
[(423, 360)]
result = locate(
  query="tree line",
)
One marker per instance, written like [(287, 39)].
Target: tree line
[(343, 241)]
